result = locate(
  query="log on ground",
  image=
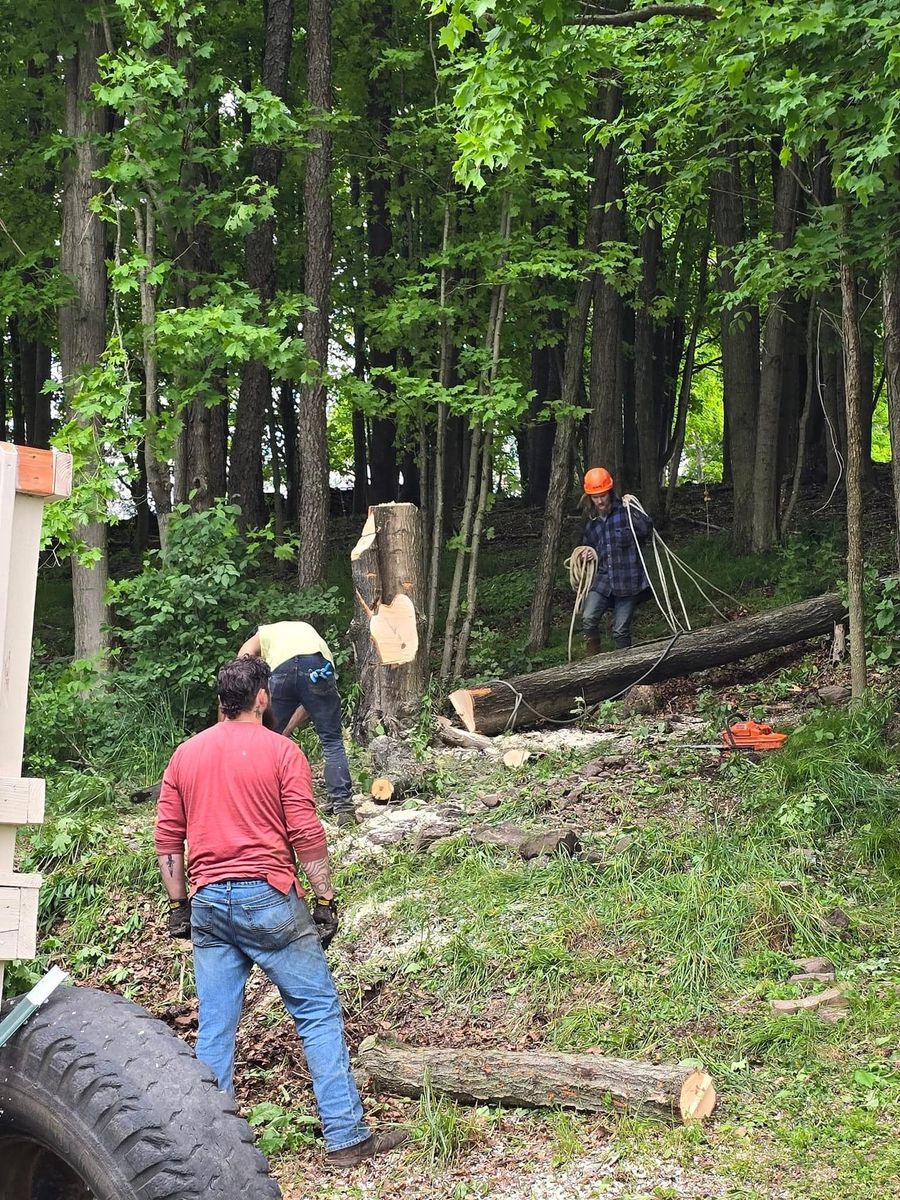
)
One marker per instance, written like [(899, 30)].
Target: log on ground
[(560, 692), (538, 1079)]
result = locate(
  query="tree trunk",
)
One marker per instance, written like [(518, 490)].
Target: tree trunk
[(646, 392), (313, 434), (740, 351), (854, 472), (676, 449), (158, 476), (436, 533), (82, 319), (557, 693), (890, 285), (383, 469), (287, 415), (812, 367), (605, 432), (561, 461), (246, 481), (389, 623), (536, 1079), (766, 475)]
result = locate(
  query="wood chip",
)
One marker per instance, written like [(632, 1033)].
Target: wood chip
[(515, 759)]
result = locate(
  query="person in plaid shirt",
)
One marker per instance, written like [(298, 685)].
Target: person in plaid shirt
[(621, 582)]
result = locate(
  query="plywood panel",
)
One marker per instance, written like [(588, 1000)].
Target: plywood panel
[(18, 916), (22, 801)]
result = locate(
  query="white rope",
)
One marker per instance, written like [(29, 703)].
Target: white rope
[(582, 567), (667, 612)]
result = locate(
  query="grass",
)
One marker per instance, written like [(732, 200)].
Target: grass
[(441, 1130), (672, 949)]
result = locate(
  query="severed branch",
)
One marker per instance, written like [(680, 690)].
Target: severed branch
[(635, 16)]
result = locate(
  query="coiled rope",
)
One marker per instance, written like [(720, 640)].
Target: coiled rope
[(582, 568)]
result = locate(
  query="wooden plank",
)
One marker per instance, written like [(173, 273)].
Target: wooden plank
[(44, 473), (22, 801), (18, 916)]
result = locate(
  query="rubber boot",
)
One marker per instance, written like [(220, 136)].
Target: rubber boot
[(593, 645)]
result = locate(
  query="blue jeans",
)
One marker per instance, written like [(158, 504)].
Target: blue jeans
[(623, 608), (237, 924), (290, 686)]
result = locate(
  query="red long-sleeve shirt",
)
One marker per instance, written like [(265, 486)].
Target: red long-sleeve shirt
[(242, 797)]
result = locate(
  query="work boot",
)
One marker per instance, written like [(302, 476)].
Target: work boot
[(375, 1143), (593, 645), (345, 818)]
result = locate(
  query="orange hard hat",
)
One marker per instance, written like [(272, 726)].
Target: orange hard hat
[(597, 481)]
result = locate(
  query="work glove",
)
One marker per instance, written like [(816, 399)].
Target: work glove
[(179, 923), (325, 918)]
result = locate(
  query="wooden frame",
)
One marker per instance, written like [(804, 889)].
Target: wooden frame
[(29, 478)]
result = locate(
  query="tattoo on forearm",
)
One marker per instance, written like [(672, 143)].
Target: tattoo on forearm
[(170, 863), (318, 873)]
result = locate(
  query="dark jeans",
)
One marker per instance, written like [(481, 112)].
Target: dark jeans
[(622, 607), (237, 924), (290, 686)]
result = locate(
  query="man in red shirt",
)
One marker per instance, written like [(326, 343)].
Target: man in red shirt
[(242, 797)]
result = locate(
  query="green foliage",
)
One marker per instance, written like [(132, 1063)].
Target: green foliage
[(188, 612), (280, 1130), (882, 606)]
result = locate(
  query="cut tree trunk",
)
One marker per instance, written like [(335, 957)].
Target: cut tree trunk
[(536, 1079), (562, 691), (388, 628)]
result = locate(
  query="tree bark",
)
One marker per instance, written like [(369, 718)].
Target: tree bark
[(560, 692), (389, 623), (854, 471), (82, 319), (561, 461), (246, 480), (766, 475), (812, 367), (530, 1079), (740, 351), (676, 449), (383, 468), (890, 288), (313, 434), (646, 394), (605, 432)]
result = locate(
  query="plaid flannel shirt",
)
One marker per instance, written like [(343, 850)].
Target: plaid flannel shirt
[(619, 569)]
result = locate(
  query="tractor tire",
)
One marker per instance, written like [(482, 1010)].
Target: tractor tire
[(100, 1101)]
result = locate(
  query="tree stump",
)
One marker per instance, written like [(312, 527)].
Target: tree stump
[(398, 773), (389, 623)]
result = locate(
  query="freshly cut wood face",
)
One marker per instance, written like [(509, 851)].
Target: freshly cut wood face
[(394, 631), (366, 538)]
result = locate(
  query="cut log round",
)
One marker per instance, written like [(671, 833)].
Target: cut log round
[(515, 759), (386, 790), (538, 1079), (561, 692)]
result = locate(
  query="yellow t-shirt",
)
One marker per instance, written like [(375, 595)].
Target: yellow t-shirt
[(284, 639)]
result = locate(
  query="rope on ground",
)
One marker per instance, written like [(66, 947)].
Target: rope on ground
[(582, 567)]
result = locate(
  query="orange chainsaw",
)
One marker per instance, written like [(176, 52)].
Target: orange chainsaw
[(751, 735)]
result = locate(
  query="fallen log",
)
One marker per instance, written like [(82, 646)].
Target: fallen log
[(462, 739), (563, 691), (398, 772), (538, 1079)]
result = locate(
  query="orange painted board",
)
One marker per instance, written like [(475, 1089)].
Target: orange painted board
[(41, 472)]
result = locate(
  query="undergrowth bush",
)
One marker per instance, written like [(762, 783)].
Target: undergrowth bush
[(188, 611)]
